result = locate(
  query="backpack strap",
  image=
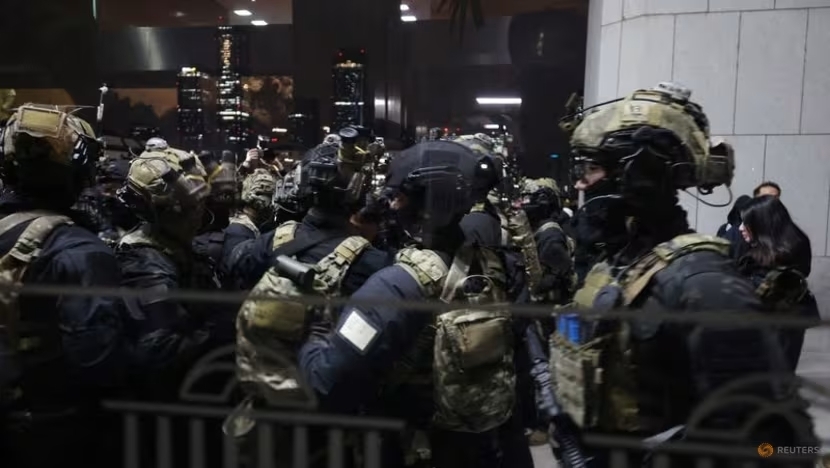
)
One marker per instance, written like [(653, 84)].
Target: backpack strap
[(639, 275), (425, 266), (284, 234), (334, 266)]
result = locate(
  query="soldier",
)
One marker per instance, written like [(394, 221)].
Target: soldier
[(396, 352), (62, 354), (168, 190), (650, 144), (486, 223), (540, 200), (323, 255)]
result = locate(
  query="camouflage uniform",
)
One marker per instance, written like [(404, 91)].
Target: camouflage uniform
[(647, 377)]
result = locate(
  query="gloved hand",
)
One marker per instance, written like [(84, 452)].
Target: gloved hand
[(319, 329)]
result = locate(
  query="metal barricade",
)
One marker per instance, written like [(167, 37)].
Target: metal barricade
[(197, 416)]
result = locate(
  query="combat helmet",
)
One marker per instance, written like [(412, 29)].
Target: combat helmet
[(540, 198), (258, 191), (168, 189), (48, 153), (662, 123)]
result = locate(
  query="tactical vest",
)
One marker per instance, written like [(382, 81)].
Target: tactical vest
[(27, 342), (481, 207), (594, 373), (473, 376), (270, 331), (194, 271)]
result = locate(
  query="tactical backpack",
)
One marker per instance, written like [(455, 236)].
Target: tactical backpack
[(13, 266), (473, 373), (269, 332), (591, 369)]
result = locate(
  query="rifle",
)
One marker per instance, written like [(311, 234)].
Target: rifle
[(563, 432)]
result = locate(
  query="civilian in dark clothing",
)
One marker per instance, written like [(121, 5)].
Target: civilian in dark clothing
[(778, 263), (730, 231)]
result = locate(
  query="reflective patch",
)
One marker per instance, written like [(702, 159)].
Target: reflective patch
[(357, 331)]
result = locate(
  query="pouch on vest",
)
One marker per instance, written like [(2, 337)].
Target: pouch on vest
[(13, 338), (473, 375), (783, 288), (596, 381)]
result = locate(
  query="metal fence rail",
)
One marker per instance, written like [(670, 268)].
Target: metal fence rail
[(197, 417), (203, 413)]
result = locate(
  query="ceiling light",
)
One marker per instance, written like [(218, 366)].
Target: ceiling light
[(178, 14), (242, 13), (404, 7), (280, 130), (259, 23), (408, 18), (499, 101), (492, 126)]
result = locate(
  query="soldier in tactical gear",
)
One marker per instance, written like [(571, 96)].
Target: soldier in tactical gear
[(220, 204), (322, 255), (395, 352), (655, 374), (168, 190), (60, 355), (540, 201), (486, 223), (333, 183)]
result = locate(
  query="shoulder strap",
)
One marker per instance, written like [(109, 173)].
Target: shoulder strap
[(425, 266), (244, 220), (28, 244), (549, 225), (284, 234), (15, 219), (334, 266), (640, 274)]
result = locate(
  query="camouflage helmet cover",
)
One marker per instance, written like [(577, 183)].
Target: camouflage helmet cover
[(60, 130), (536, 185), (169, 178), (258, 189), (658, 109)]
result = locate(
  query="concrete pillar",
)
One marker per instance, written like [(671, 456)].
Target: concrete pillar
[(761, 71)]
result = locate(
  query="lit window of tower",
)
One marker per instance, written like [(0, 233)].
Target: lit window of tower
[(349, 80)]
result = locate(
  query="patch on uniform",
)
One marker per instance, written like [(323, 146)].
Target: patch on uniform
[(357, 331)]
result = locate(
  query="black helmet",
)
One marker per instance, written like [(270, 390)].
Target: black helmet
[(327, 183), (438, 179)]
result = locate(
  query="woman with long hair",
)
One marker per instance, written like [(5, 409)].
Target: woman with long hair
[(778, 263)]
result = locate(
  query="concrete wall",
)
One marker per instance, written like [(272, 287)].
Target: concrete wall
[(761, 71)]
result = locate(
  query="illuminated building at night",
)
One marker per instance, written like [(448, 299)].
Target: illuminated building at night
[(234, 121), (304, 123), (196, 108), (349, 79)]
